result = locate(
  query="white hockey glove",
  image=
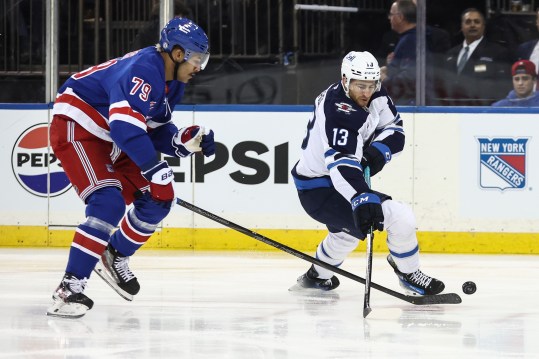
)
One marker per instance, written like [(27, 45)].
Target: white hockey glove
[(193, 139)]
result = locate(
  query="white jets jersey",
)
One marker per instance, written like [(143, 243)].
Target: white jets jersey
[(337, 133)]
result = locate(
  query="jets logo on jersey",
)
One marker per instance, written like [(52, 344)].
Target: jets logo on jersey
[(35, 167), (344, 107), (502, 163)]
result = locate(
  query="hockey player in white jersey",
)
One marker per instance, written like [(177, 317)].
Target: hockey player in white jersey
[(354, 125)]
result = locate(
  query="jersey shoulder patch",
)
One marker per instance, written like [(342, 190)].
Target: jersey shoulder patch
[(345, 108)]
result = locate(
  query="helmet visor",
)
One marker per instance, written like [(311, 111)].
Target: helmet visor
[(197, 59)]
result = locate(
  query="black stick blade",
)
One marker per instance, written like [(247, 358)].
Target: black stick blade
[(447, 298)]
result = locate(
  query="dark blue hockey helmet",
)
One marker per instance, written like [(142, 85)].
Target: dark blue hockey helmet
[(182, 32)]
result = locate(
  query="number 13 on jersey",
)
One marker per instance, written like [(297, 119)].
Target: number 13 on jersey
[(340, 135)]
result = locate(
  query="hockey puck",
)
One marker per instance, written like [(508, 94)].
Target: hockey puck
[(469, 287)]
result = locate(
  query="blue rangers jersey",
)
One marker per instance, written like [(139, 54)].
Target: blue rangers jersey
[(337, 133), (122, 101)]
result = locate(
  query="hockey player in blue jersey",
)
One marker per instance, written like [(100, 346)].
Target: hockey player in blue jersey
[(108, 123), (354, 125)]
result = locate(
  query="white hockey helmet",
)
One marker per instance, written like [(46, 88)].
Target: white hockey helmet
[(360, 66)]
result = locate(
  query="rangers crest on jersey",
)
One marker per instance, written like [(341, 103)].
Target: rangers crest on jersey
[(344, 107), (502, 163)]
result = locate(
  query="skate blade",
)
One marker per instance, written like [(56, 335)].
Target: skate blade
[(297, 288), (100, 270), (67, 310), (314, 295), (301, 289)]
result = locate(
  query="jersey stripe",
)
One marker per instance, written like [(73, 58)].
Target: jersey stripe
[(72, 106), (345, 162), (123, 112)]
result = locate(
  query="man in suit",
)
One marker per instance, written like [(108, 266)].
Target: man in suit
[(475, 70), (529, 50)]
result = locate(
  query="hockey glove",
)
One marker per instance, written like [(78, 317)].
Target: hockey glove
[(376, 156), (208, 144), (367, 212), (188, 140), (160, 177)]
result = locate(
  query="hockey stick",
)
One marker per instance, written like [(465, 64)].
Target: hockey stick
[(366, 299), (449, 298)]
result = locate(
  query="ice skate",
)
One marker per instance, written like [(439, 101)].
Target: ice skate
[(310, 280), (114, 269), (69, 301), (417, 283)]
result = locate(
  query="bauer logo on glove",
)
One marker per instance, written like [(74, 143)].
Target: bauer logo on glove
[(165, 177)]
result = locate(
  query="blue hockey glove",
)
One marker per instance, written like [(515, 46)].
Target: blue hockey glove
[(208, 144), (187, 141), (161, 178), (367, 212), (376, 156)]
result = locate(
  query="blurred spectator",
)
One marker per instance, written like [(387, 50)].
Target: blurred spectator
[(529, 50), (149, 35), (473, 72), (438, 41), (399, 76), (524, 80)]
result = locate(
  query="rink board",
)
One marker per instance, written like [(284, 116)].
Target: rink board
[(469, 173)]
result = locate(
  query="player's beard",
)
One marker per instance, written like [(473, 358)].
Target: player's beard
[(361, 101)]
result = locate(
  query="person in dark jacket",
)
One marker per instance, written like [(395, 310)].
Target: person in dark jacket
[(399, 76), (474, 71)]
